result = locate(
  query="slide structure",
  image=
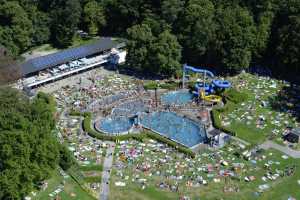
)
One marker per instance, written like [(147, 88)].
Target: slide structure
[(196, 70), (206, 90)]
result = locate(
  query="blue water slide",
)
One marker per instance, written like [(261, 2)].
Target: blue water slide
[(204, 71), (208, 88), (221, 83), (198, 86)]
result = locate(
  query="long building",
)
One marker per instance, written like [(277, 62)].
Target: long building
[(56, 66)]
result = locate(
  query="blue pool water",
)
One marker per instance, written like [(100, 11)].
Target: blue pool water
[(168, 124), (115, 126), (174, 127), (177, 97)]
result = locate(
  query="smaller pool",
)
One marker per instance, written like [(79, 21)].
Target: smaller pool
[(115, 126), (177, 97)]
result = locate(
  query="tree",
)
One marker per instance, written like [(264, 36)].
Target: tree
[(94, 17), (235, 38), (41, 30), (29, 150), (197, 29), (66, 16), (263, 34), (139, 41), (151, 54), (165, 54), (171, 9), (66, 159), (15, 27), (288, 49), (9, 68), (123, 14), (157, 26)]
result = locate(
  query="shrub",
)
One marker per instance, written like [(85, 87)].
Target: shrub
[(168, 85), (150, 85), (215, 113), (191, 85), (74, 113), (232, 97), (66, 159)]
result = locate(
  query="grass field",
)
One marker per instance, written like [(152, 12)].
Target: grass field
[(281, 188), (71, 189), (242, 118)]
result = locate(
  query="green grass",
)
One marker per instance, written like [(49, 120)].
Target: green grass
[(70, 187), (91, 168), (79, 41), (93, 179), (133, 193), (234, 106), (151, 85), (281, 188)]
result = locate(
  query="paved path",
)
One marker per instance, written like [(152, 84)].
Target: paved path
[(107, 165), (290, 152)]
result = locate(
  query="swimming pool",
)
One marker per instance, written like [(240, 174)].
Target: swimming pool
[(114, 126), (177, 97), (177, 128)]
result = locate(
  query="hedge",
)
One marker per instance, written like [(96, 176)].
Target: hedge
[(74, 113), (215, 116), (168, 85), (101, 136), (232, 97)]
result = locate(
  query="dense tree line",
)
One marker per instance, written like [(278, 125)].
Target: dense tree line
[(229, 34), (29, 150)]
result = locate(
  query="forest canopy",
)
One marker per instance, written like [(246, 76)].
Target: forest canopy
[(230, 35), (29, 150)]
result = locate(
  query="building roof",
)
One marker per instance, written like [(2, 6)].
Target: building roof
[(44, 62), (296, 131)]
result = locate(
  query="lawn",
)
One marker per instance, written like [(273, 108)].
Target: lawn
[(251, 120), (71, 189), (89, 156), (178, 165)]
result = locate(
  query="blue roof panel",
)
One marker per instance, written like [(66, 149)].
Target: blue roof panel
[(51, 60)]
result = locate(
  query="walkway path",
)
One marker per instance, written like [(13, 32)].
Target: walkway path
[(270, 144), (107, 165)]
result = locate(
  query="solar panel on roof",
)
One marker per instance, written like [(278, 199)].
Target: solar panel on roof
[(44, 62)]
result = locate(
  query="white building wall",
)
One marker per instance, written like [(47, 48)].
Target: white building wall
[(122, 55)]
